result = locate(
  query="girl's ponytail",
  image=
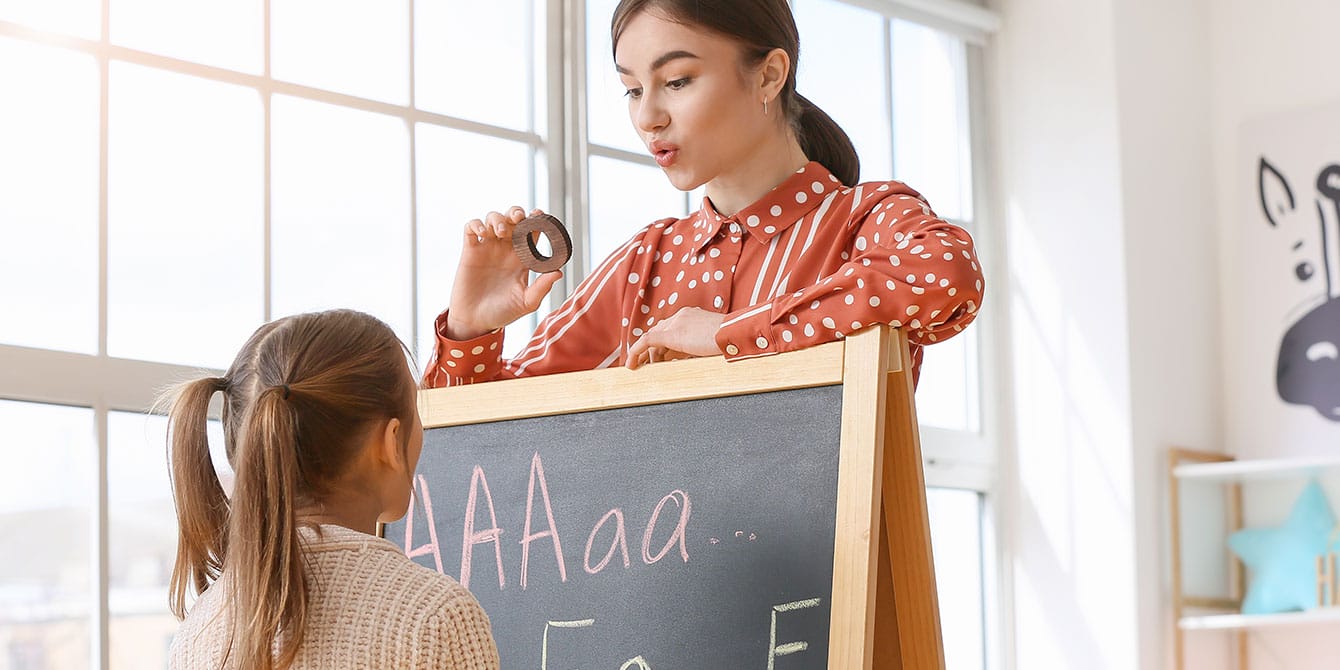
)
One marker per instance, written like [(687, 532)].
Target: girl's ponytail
[(823, 140), (202, 507), (268, 597)]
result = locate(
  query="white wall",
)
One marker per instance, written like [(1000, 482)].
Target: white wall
[(1101, 122), (1068, 509), (1163, 66)]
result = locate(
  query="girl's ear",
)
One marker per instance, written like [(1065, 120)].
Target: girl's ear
[(775, 69), (388, 446)]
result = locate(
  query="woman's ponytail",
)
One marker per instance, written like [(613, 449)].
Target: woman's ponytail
[(268, 597), (823, 140), (202, 507)]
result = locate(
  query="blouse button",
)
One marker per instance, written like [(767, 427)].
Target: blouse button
[(762, 343), (735, 228), (732, 350)]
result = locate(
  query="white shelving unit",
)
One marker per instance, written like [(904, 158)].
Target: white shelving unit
[(1251, 621), (1239, 471), (1184, 466)]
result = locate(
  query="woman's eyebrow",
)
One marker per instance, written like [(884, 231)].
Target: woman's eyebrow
[(660, 62)]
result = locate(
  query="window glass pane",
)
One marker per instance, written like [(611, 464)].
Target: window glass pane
[(493, 88), (340, 212), (47, 458), (81, 18), (930, 117), (846, 77), (947, 390), (185, 217), (606, 107), (956, 540), (142, 536), (223, 33), (48, 198), (625, 198), (359, 47), (462, 176)]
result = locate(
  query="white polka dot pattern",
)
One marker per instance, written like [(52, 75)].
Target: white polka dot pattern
[(810, 262)]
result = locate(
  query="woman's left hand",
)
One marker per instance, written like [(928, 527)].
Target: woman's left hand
[(688, 333)]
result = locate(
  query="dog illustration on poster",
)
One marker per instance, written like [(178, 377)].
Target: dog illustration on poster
[(1305, 216)]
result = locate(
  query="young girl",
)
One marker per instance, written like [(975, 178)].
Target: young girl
[(321, 427), (788, 250)]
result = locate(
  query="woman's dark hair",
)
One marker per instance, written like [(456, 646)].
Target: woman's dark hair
[(761, 26), (297, 402)]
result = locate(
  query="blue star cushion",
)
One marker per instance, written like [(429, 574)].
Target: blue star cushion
[(1283, 560)]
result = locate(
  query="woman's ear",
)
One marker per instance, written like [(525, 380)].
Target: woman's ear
[(773, 73)]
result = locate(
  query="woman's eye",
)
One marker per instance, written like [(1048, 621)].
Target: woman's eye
[(676, 84), (633, 93)]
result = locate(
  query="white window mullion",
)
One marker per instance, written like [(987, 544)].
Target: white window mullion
[(413, 201), (267, 99), (100, 644)]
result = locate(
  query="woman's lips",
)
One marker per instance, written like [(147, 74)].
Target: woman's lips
[(664, 153), (665, 158)]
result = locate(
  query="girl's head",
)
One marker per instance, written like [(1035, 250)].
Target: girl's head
[(319, 414), (709, 80)]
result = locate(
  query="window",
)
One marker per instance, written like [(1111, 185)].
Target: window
[(174, 174), (47, 501)]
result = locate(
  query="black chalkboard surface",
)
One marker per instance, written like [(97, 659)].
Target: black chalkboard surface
[(767, 513), (695, 534)]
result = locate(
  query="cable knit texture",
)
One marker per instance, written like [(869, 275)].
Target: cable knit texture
[(369, 607)]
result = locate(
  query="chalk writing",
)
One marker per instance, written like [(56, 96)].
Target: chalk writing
[(774, 650)]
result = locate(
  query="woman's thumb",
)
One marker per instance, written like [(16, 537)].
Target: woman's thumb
[(540, 287)]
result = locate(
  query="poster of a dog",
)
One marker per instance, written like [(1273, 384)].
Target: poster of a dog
[(1282, 288)]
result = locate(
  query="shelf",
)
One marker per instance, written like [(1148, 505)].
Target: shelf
[(1254, 469), (1244, 621)]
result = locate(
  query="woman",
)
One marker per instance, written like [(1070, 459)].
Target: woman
[(321, 427), (787, 251)]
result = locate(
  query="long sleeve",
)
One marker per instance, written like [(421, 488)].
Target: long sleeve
[(457, 637), (903, 266), (581, 334)]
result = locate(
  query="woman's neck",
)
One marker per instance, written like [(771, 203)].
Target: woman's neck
[(771, 164)]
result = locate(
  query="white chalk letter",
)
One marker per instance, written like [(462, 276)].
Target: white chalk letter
[(790, 647)]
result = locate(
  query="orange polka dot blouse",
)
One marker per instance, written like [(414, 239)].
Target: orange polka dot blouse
[(809, 263)]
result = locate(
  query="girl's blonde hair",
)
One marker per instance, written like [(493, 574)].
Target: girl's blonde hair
[(298, 403)]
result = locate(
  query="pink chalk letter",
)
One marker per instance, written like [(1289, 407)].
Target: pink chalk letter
[(619, 542), (682, 499), (537, 474), (430, 548), (470, 537)]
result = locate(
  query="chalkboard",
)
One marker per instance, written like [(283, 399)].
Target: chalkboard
[(727, 508), (689, 514)]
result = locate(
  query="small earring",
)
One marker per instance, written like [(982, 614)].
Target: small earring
[(765, 106)]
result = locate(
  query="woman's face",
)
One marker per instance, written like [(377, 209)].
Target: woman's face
[(698, 113)]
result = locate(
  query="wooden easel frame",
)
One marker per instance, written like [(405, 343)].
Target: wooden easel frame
[(885, 613)]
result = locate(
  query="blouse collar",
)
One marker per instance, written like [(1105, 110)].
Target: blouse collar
[(776, 211)]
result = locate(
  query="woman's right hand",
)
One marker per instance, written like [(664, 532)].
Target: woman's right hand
[(492, 287)]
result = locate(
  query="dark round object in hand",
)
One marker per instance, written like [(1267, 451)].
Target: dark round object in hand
[(559, 241)]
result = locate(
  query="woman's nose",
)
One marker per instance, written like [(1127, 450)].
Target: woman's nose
[(651, 115)]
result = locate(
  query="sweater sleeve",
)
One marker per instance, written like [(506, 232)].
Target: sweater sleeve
[(583, 333), (905, 267), (458, 637)]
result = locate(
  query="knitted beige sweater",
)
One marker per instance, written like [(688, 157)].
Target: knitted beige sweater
[(369, 607)]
